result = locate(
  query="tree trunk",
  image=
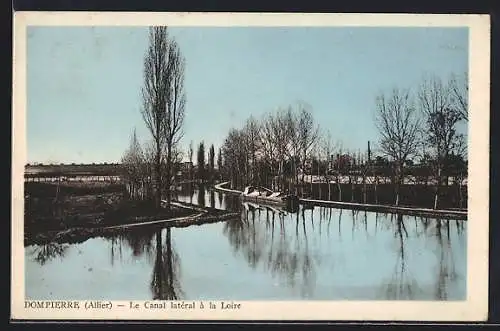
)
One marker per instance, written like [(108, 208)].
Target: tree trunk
[(169, 175), (436, 192), (364, 189), (232, 178), (302, 180), (319, 184), (329, 190), (311, 184), (397, 194), (158, 176), (352, 187), (398, 185), (340, 188), (280, 176), (460, 203)]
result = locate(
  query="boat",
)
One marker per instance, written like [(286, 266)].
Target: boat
[(264, 196)]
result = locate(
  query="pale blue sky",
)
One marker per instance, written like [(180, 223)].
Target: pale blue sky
[(84, 82)]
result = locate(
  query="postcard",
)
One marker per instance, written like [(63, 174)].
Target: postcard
[(246, 166)]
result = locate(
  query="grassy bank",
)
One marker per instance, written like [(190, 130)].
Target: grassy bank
[(85, 210), (86, 205)]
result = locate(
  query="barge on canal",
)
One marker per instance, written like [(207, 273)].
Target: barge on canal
[(264, 196)]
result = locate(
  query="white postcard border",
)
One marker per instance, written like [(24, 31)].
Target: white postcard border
[(475, 308)]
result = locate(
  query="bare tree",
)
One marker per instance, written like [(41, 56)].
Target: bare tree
[(149, 168), (233, 151), (175, 111), (252, 132), (268, 148), (132, 162), (276, 146), (440, 125), (308, 135), (339, 166), (327, 148), (201, 162), (219, 162), (293, 148), (281, 133), (154, 96), (459, 87), (211, 162), (353, 176), (364, 167), (398, 127), (176, 157), (163, 100), (190, 154)]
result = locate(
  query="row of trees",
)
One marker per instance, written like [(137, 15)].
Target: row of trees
[(138, 164), (139, 168), (280, 149), (424, 123), (205, 170), (272, 151)]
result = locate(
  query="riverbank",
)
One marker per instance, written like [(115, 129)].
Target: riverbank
[(81, 234), (415, 195), (89, 210), (55, 207), (405, 210)]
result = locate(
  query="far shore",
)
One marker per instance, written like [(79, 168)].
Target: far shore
[(458, 214)]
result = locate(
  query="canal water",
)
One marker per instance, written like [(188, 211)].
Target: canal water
[(267, 254)]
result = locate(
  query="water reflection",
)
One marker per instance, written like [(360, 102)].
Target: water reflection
[(312, 253), (165, 284), (46, 252), (139, 242), (221, 198), (232, 203), (262, 237), (201, 196), (212, 199), (447, 273), (402, 284)]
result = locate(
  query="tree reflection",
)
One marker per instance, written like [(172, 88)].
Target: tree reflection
[(261, 236), (139, 240), (165, 284), (116, 241), (446, 271), (340, 222), (191, 192), (284, 244), (243, 237), (233, 203), (401, 285), (44, 253), (308, 269), (212, 199), (201, 195), (221, 197)]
